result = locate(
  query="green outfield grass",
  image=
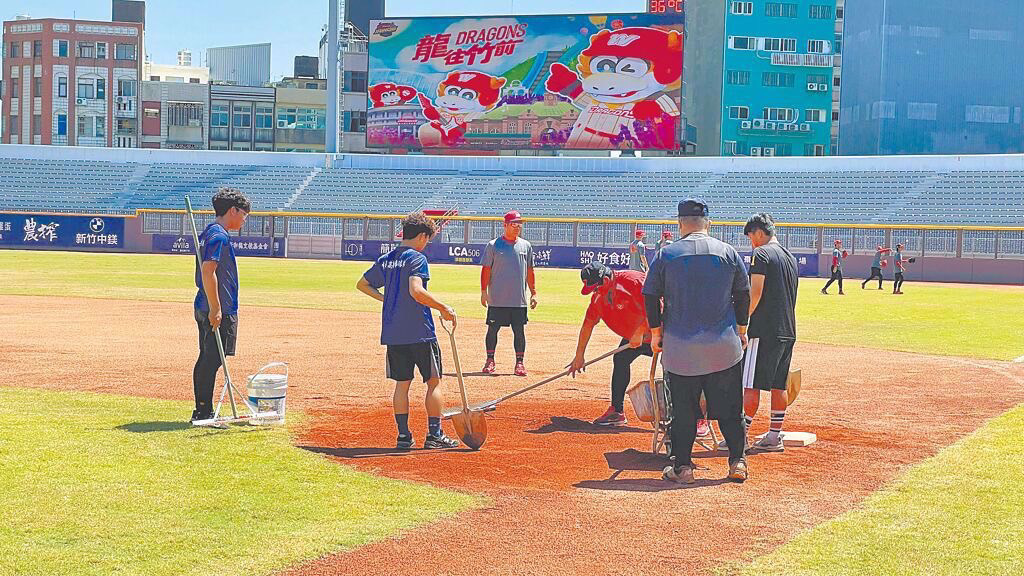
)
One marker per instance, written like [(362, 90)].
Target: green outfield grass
[(99, 484), (958, 320), (957, 514)]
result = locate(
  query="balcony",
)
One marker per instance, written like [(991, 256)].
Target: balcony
[(808, 60)]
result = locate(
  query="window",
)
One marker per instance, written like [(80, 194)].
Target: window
[(817, 47), (814, 149), (835, 115), (37, 87), (83, 126), (922, 110), (820, 12), (153, 114), (37, 48), (312, 85), (62, 48), (778, 79), (15, 92), (14, 127), (814, 115), (126, 88), (839, 12), (15, 50), (184, 114), (86, 50), (62, 86), (62, 124), (154, 78), (883, 109), (783, 149), (357, 122), (242, 116), (125, 52), (355, 81), (742, 8), (819, 79), (193, 80), (101, 127), (219, 116), (779, 114), (988, 114), (780, 10), (37, 125), (101, 50), (101, 89), (743, 43), (837, 44), (780, 44), (264, 116), (738, 77), (86, 89), (125, 126), (739, 112), (730, 147)]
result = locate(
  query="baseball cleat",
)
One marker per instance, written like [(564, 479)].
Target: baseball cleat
[(766, 445), (404, 442), (439, 442), (488, 366), (738, 471), (703, 428), (682, 476), (824, 292), (520, 369), (611, 418)]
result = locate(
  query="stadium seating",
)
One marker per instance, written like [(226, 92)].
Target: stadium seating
[(925, 196)]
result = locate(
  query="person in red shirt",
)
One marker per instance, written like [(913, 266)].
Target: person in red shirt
[(618, 300)]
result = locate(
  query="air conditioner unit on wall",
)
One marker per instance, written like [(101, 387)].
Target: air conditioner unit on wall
[(822, 87), (813, 87), (757, 124), (768, 151), (121, 99), (81, 101), (755, 151), (805, 127), (769, 125), (745, 125)]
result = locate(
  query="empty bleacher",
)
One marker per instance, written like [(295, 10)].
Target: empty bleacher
[(935, 191)]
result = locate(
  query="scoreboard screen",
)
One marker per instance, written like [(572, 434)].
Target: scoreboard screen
[(664, 6)]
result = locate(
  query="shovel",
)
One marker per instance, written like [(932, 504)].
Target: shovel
[(470, 425)]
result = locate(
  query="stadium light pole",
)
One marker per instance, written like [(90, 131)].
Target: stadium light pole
[(334, 66)]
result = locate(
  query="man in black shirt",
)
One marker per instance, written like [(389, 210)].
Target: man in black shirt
[(772, 331)]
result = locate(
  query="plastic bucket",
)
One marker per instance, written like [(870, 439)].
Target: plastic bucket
[(643, 404), (267, 392)]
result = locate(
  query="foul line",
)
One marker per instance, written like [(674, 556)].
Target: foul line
[(1021, 359)]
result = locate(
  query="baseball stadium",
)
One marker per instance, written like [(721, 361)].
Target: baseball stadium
[(333, 291)]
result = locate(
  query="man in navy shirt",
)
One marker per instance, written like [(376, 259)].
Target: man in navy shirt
[(703, 286), (216, 303), (407, 326)]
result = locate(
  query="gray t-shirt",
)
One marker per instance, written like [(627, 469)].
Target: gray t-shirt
[(697, 277), (508, 263), (837, 257), (636, 248), (877, 261)]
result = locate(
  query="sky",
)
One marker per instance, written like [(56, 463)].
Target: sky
[(292, 27)]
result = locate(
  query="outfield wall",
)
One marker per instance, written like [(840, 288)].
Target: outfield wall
[(944, 254)]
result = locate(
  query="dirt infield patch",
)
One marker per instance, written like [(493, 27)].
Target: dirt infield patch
[(568, 498)]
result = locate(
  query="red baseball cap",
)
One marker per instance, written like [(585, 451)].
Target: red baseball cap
[(666, 234), (513, 216), (640, 233)]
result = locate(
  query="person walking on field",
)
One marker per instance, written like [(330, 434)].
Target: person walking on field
[(899, 266), (838, 254), (638, 252), (876, 267), (505, 276), (703, 286)]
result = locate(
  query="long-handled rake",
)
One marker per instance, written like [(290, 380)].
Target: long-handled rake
[(217, 421)]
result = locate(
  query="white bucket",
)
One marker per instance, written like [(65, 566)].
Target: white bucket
[(643, 405), (267, 393)]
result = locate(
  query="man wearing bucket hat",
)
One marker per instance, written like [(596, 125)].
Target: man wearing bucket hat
[(638, 252), (407, 326), (702, 284), (506, 273)]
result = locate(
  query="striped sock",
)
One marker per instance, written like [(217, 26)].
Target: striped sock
[(776, 425), (747, 421)]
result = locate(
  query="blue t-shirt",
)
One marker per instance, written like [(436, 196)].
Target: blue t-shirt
[(877, 261), (696, 277), (403, 320), (215, 244)]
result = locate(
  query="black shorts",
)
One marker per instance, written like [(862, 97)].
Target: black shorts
[(228, 333), (404, 359), (766, 363), (498, 316), (722, 390)]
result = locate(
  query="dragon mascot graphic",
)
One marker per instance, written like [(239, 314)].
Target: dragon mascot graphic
[(388, 94), (622, 89), (462, 97)]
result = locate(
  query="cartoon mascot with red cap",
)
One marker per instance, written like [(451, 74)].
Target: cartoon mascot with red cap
[(462, 97), (388, 94), (625, 75)]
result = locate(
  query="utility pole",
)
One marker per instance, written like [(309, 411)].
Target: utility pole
[(335, 74)]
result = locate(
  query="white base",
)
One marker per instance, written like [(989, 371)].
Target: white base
[(796, 439)]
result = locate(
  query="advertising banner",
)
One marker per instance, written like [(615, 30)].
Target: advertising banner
[(243, 245), (598, 82), (73, 232)]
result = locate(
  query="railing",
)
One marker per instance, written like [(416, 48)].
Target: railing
[(1005, 243), (812, 60)]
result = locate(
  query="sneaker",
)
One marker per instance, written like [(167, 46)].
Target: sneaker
[(611, 418), (198, 416), (442, 441), (520, 369), (766, 445), (682, 476), (488, 366), (724, 446), (738, 470), (405, 442), (823, 292), (841, 293), (703, 428)]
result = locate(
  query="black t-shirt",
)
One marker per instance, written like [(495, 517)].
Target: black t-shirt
[(775, 314)]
